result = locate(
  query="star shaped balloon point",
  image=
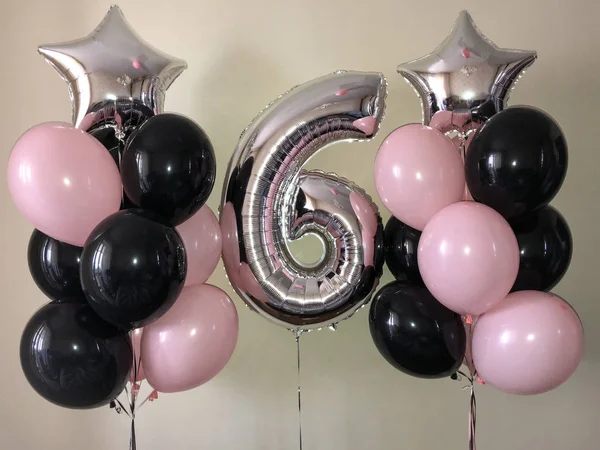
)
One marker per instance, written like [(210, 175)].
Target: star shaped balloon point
[(467, 73), (114, 76)]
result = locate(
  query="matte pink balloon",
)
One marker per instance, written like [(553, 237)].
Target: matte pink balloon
[(137, 373), (192, 341), (530, 343), (418, 172), (201, 236), (63, 181), (468, 257)]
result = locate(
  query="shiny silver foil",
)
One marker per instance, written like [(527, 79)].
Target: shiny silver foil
[(466, 75), (114, 77), (269, 201)]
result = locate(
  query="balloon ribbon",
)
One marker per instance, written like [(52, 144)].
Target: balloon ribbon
[(132, 445), (132, 405), (297, 334), (472, 418), (468, 320)]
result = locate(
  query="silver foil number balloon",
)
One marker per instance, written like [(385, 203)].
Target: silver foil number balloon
[(270, 202), (114, 77), (466, 79)]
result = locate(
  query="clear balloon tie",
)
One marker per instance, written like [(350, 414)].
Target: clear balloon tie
[(297, 334)]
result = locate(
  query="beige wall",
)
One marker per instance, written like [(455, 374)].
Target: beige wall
[(241, 55)]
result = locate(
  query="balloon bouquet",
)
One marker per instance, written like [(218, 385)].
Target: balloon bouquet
[(269, 203), (123, 241), (472, 237)]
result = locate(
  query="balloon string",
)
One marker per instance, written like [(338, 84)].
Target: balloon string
[(472, 418), (132, 444), (297, 334), (151, 396), (463, 154), (122, 408), (468, 321)]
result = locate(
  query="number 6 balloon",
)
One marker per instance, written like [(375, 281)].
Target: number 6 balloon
[(269, 201)]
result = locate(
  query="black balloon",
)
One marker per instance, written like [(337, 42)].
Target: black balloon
[(73, 358), (517, 161), (169, 167), (108, 138), (415, 333), (546, 246), (54, 266), (401, 245), (132, 268)]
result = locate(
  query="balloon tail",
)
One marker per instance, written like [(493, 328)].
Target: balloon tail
[(297, 335)]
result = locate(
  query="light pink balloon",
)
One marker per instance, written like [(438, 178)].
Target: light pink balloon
[(192, 341), (417, 173), (63, 181), (201, 236), (530, 343), (468, 257), (137, 373)]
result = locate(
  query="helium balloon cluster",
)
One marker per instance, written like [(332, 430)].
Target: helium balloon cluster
[(472, 237), (270, 203), (123, 241)]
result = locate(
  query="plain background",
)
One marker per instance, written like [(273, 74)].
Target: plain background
[(241, 55)]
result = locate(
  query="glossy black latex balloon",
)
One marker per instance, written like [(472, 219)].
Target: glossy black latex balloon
[(545, 246), (415, 333), (54, 266), (517, 161), (401, 245), (132, 268), (169, 167), (73, 358), (108, 138)]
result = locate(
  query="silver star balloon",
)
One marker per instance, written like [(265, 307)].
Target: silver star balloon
[(114, 77), (467, 75)]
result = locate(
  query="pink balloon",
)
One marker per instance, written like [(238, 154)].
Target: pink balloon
[(417, 173), (192, 341), (530, 343), (468, 257), (201, 236), (63, 181), (136, 342)]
